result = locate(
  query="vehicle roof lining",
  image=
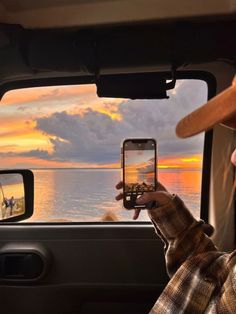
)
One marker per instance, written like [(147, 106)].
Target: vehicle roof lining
[(33, 54), (68, 13), (25, 5)]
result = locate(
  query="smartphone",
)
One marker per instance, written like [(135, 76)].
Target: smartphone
[(139, 163)]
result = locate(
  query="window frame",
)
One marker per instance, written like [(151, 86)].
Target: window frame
[(205, 76)]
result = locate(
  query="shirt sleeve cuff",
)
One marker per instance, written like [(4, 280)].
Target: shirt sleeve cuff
[(173, 218)]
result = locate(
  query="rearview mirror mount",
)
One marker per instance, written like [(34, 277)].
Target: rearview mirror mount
[(135, 86)]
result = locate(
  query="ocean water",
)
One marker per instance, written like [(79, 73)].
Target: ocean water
[(88, 195)]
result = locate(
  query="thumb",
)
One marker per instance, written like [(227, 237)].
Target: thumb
[(161, 197)]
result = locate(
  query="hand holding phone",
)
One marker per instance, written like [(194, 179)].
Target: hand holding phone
[(139, 170)]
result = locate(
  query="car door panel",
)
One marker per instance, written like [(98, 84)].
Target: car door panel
[(93, 269)]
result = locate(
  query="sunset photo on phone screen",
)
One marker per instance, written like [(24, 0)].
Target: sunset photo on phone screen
[(139, 171)]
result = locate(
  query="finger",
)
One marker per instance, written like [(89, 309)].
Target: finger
[(208, 229), (119, 185), (161, 197), (136, 213), (119, 196)]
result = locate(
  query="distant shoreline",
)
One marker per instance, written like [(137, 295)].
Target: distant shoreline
[(75, 168), (80, 168), (98, 168)]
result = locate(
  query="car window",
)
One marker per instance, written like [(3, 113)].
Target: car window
[(71, 139)]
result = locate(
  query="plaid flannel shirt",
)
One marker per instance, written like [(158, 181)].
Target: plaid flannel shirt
[(203, 280)]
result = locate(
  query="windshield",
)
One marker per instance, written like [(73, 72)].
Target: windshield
[(71, 140)]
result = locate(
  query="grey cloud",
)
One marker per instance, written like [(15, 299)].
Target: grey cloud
[(180, 146), (36, 153), (95, 137), (54, 93), (11, 178), (22, 108)]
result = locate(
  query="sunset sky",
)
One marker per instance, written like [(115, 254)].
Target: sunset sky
[(69, 126)]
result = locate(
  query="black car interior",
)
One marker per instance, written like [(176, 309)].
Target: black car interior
[(102, 267)]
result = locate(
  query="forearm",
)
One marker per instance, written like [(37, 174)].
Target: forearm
[(181, 232)]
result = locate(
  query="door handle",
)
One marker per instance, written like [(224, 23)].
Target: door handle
[(23, 262)]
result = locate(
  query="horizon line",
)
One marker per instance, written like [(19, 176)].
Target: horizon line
[(107, 168)]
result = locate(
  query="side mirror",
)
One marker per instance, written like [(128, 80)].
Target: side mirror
[(16, 195)]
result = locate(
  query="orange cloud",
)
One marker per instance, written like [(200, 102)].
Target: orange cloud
[(27, 95), (18, 136), (78, 99), (100, 105), (112, 115)]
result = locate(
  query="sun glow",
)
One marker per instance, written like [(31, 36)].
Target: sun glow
[(175, 162)]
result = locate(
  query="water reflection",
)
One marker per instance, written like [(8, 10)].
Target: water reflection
[(185, 183), (45, 200), (89, 195)]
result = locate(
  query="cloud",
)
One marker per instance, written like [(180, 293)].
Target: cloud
[(94, 137), (47, 93), (22, 108), (147, 167), (11, 178), (39, 153)]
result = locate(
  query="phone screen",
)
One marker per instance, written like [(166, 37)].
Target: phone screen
[(139, 169)]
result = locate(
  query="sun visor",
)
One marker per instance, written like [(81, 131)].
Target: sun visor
[(134, 86), (61, 52)]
